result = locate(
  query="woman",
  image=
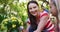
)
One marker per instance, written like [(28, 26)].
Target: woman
[(54, 11), (38, 21)]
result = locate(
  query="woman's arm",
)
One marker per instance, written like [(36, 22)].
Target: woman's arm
[(42, 23), (28, 25)]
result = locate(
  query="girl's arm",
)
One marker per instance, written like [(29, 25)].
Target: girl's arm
[(28, 25), (42, 23)]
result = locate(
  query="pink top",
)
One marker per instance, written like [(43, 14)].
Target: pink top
[(49, 24)]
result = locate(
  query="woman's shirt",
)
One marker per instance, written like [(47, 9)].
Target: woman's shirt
[(49, 26)]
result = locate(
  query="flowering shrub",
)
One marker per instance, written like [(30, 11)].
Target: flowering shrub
[(12, 23)]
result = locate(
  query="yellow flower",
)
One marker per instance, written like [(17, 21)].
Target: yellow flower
[(13, 18), (13, 26), (5, 20), (19, 20), (21, 23)]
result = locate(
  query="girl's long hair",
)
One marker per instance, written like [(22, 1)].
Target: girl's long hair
[(31, 17)]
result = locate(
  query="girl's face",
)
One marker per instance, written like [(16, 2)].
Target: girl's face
[(53, 9), (33, 9)]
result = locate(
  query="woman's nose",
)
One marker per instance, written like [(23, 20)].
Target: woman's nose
[(33, 9)]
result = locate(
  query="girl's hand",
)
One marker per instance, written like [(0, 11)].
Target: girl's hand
[(36, 31)]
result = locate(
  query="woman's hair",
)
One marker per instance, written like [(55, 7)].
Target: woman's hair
[(53, 2), (57, 2), (31, 17)]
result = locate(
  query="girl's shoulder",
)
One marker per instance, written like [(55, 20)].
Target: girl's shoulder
[(44, 13)]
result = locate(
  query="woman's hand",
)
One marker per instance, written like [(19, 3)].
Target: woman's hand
[(36, 31)]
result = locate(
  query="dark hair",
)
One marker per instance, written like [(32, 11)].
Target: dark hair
[(53, 2), (55, 6), (31, 17)]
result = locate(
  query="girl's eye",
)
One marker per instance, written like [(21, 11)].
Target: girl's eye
[(34, 7), (30, 8)]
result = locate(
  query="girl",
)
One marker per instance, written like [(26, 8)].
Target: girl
[(38, 21), (54, 11)]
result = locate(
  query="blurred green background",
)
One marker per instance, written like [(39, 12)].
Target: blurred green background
[(13, 14)]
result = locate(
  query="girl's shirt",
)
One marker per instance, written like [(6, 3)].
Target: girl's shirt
[(49, 26)]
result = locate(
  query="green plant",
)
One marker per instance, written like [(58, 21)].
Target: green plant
[(12, 23)]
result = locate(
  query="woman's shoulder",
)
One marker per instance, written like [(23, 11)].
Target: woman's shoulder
[(44, 13)]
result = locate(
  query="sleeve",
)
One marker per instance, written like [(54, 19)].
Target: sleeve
[(44, 14), (49, 25)]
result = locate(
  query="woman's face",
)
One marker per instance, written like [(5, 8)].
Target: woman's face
[(33, 9), (53, 9)]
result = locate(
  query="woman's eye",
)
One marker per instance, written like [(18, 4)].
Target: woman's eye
[(34, 7), (30, 8)]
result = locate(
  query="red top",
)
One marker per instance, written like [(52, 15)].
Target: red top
[(49, 24)]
